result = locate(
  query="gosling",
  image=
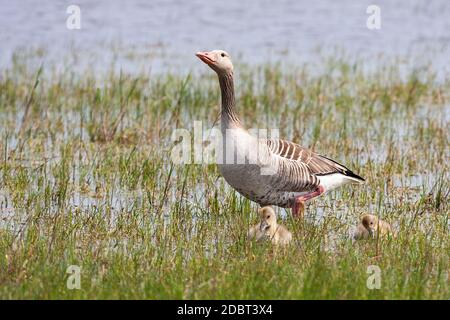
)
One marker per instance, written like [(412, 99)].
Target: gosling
[(268, 229), (370, 227)]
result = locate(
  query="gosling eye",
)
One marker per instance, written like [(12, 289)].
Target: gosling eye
[(222, 54), (267, 217)]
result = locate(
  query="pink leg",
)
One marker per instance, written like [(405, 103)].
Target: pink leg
[(298, 208), (299, 202)]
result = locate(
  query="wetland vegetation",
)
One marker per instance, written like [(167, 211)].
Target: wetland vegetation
[(86, 179)]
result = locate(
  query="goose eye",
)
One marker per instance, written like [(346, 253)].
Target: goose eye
[(268, 217), (223, 54)]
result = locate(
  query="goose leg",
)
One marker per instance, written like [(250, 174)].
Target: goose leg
[(298, 208)]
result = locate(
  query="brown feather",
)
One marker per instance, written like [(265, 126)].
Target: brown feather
[(316, 163)]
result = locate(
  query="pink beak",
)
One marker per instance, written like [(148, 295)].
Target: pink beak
[(205, 57)]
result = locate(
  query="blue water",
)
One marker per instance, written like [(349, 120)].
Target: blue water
[(164, 35)]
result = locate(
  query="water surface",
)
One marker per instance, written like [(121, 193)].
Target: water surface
[(164, 35)]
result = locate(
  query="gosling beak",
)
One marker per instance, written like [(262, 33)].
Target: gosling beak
[(263, 226), (205, 57)]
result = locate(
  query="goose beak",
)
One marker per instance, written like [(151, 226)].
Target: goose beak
[(205, 57)]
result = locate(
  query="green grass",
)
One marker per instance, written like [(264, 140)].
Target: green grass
[(86, 179)]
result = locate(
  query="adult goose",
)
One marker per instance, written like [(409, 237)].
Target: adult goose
[(269, 171)]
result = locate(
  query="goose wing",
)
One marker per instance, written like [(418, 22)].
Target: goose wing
[(303, 165)]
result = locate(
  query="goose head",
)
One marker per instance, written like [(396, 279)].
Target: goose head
[(218, 60), (370, 222), (268, 218)]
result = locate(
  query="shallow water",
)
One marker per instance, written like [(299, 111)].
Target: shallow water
[(164, 35)]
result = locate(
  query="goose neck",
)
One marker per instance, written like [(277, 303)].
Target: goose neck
[(228, 112)]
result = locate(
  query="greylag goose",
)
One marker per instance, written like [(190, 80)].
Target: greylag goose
[(269, 229), (269, 171), (371, 227)]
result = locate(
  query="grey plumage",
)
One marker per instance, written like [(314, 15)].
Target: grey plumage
[(272, 171)]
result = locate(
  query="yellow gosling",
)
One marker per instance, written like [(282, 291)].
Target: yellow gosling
[(371, 227), (269, 229)]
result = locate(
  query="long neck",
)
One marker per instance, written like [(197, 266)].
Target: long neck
[(228, 113)]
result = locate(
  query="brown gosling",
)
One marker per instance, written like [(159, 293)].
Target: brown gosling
[(269, 229), (371, 227)]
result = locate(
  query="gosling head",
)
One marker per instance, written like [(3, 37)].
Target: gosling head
[(218, 60), (370, 222), (268, 218)]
